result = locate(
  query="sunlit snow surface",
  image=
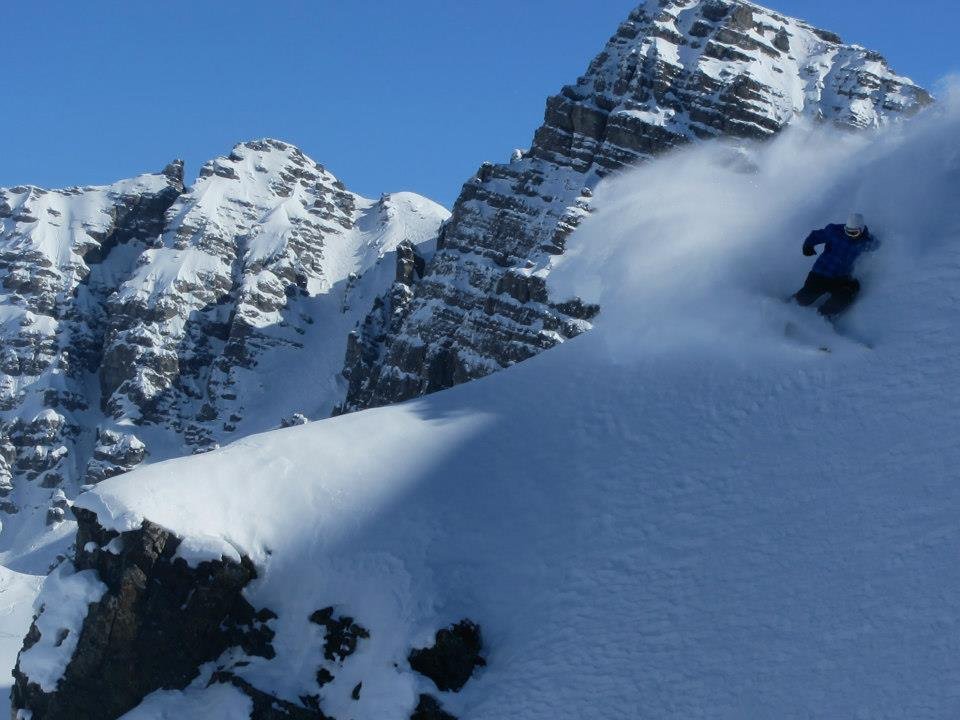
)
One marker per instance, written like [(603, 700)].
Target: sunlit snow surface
[(681, 514), (66, 596), (17, 593)]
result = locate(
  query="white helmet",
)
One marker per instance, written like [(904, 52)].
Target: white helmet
[(855, 224)]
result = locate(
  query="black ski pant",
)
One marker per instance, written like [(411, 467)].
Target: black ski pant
[(842, 290)]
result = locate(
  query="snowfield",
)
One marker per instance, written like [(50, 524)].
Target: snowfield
[(681, 514)]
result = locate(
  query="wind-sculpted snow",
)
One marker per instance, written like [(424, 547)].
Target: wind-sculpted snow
[(681, 514), (675, 72), (148, 320)]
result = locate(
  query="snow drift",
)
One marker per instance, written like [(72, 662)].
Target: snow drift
[(681, 514)]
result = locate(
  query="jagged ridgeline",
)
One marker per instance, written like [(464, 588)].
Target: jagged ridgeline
[(675, 72)]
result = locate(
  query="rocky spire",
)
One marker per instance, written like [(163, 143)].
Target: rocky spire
[(174, 172)]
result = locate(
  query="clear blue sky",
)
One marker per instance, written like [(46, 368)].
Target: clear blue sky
[(388, 94)]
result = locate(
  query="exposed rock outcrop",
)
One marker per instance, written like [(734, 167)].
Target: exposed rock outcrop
[(114, 454), (454, 656), (429, 708), (342, 634), (157, 621), (294, 420), (129, 615)]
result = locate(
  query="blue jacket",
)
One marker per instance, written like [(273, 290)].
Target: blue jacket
[(841, 252)]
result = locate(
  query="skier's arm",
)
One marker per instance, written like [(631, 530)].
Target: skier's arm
[(873, 243), (813, 239)]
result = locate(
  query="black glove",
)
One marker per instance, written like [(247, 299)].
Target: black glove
[(808, 251)]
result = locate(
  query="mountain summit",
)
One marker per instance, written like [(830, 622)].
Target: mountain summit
[(675, 72)]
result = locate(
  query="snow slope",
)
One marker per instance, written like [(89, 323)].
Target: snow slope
[(681, 514), (17, 594)]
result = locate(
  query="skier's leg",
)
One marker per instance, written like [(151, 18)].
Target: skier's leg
[(812, 289), (841, 298)]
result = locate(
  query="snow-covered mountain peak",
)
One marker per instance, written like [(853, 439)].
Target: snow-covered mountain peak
[(246, 252), (278, 163), (158, 303), (251, 204), (727, 67), (675, 72)]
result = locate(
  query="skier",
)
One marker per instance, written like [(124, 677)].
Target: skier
[(833, 271)]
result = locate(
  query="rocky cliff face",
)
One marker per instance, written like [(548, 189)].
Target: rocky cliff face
[(59, 253), (149, 319), (675, 72), (243, 256)]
